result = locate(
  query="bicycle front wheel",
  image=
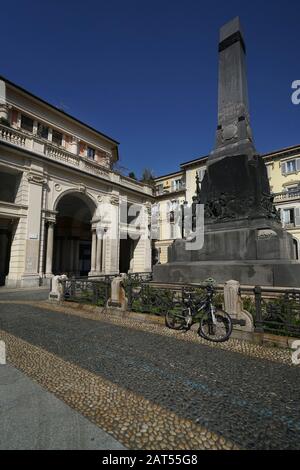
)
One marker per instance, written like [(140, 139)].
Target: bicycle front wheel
[(219, 331), (176, 320)]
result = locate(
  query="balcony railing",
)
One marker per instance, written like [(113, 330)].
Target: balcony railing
[(12, 136), (171, 189), (49, 150), (287, 196)]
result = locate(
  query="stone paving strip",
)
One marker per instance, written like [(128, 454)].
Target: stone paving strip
[(131, 419), (150, 324)]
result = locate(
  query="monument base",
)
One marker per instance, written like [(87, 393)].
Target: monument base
[(262, 273), (252, 252)]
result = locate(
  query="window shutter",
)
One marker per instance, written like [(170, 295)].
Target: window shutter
[(298, 164), (283, 168), (297, 216)]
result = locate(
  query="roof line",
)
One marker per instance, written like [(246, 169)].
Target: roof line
[(168, 174), (190, 162), (285, 149), (58, 110)]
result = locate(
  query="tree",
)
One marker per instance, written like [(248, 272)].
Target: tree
[(131, 174), (148, 177)]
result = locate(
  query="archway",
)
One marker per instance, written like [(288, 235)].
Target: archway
[(6, 229), (73, 236)]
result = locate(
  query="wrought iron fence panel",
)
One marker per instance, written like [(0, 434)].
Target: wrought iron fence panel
[(277, 312), (86, 291), (143, 297)]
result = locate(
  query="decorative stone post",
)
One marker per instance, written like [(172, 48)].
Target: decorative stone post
[(49, 255), (234, 306), (56, 293), (118, 298)]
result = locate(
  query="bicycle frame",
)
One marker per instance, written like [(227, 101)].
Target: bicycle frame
[(204, 305)]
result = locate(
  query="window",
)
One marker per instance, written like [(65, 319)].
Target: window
[(91, 153), (176, 185), (26, 123), (288, 216), (42, 131), (56, 137), (291, 166)]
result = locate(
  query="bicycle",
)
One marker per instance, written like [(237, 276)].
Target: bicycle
[(215, 324)]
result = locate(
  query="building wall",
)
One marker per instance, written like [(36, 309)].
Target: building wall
[(47, 173)]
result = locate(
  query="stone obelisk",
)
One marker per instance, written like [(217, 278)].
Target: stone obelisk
[(234, 135), (243, 239), (236, 185)]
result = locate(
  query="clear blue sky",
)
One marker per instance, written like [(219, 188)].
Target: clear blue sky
[(145, 72)]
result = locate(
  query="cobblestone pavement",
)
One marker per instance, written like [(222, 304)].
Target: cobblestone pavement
[(152, 388)]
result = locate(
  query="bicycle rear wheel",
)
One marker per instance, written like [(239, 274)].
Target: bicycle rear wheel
[(176, 320), (218, 332)]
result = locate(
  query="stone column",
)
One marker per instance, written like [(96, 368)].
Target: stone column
[(3, 104), (112, 238), (49, 255), (36, 179), (94, 251), (99, 252)]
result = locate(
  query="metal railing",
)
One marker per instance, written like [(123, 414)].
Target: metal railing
[(96, 292), (274, 310), (157, 299)]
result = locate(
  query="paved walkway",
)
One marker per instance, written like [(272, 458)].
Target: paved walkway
[(153, 388), (32, 418), (40, 293)]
